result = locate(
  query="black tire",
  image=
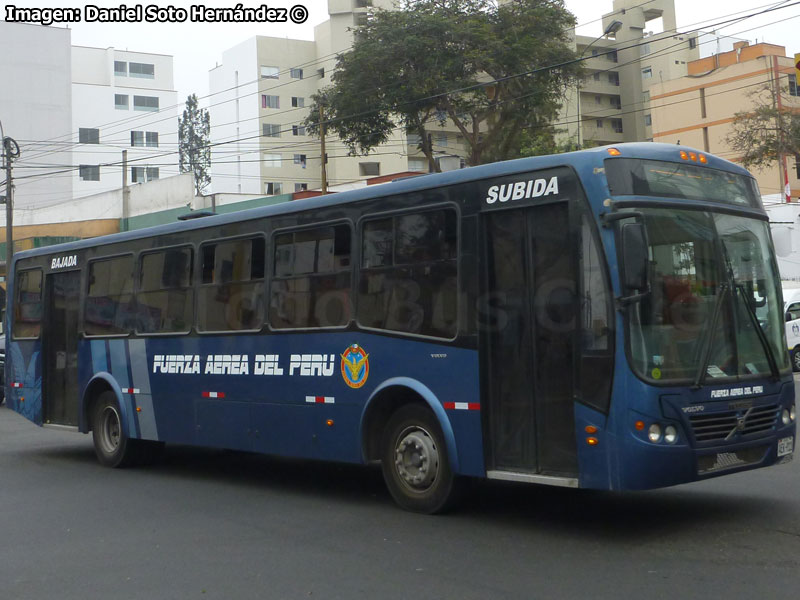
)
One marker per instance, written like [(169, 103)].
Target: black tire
[(796, 359), (112, 445), (415, 462)]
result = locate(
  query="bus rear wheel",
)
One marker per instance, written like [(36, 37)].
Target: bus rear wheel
[(112, 445), (796, 359), (415, 463)]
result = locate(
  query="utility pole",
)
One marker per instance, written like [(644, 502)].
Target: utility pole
[(324, 157), (125, 190), (10, 152)]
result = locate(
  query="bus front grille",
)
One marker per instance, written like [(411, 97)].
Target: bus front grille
[(733, 424)]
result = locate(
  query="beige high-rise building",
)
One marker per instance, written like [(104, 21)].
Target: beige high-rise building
[(612, 103), (697, 110)]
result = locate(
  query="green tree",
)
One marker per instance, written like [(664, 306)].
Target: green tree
[(194, 149), (493, 71), (764, 133)]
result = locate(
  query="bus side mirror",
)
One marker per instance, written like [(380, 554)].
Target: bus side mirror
[(634, 256)]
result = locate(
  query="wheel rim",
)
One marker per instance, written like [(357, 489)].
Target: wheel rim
[(110, 430), (416, 458), (796, 356)]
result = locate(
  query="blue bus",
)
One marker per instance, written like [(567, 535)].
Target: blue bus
[(607, 319)]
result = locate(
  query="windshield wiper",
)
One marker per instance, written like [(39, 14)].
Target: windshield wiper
[(762, 337), (706, 357)]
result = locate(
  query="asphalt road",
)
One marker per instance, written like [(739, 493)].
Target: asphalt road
[(212, 524)]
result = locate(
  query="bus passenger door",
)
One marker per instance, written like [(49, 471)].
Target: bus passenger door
[(528, 338), (60, 349)]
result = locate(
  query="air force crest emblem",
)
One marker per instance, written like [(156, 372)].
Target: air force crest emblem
[(355, 366)]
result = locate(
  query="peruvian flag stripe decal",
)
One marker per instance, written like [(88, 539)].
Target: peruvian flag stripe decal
[(320, 399), (213, 394), (462, 406), (16, 385), (130, 390)]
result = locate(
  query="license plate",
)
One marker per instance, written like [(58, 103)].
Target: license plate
[(785, 446)]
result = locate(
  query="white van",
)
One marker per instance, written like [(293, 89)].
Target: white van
[(791, 310)]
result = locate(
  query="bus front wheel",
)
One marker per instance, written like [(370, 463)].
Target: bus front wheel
[(415, 463), (796, 359), (112, 445)]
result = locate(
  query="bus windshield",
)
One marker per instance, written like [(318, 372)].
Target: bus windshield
[(713, 313)]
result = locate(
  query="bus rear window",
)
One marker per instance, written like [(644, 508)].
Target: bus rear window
[(638, 177), (28, 305)]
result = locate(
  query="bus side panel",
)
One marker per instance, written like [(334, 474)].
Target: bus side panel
[(23, 378), (288, 394), (593, 459)]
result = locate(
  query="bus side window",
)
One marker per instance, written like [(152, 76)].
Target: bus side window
[(230, 297), (28, 304), (310, 285), (409, 267), (109, 307), (165, 297)]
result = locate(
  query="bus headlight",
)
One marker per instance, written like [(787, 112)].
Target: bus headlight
[(787, 416), (670, 434), (654, 433)]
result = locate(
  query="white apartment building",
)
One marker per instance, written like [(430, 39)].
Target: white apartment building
[(259, 99), (36, 110), (122, 101), (73, 110), (612, 103)]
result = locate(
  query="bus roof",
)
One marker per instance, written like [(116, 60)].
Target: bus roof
[(582, 161)]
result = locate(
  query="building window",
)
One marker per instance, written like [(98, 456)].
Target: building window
[(151, 139), (143, 174), (146, 103), (647, 73), (644, 49), (414, 140), (300, 159), (300, 187), (613, 78), (596, 76), (441, 139), (648, 120), (88, 136), (269, 72), (598, 99), (797, 165), (270, 101), (272, 161), (298, 130), (296, 73), (616, 125), (595, 51), (311, 279), (273, 188), (142, 70), (616, 102), (121, 101), (418, 164), (692, 43), (706, 145), (793, 88), (646, 96), (612, 56), (369, 169), (271, 130), (137, 138), (298, 102), (598, 123), (120, 68), (321, 73), (89, 172)]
